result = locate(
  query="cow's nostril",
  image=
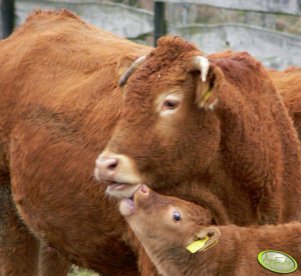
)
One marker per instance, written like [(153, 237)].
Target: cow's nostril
[(112, 164), (106, 164), (112, 167)]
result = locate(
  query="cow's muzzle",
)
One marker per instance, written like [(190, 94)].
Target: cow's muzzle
[(119, 171)]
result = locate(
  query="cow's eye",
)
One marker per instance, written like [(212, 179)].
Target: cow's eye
[(176, 216), (170, 104)]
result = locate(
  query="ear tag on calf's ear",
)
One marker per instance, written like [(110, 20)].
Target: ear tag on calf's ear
[(200, 245), (209, 246), (197, 245)]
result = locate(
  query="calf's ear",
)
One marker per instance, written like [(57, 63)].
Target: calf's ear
[(208, 83), (204, 239)]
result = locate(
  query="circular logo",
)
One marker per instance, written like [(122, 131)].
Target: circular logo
[(277, 261)]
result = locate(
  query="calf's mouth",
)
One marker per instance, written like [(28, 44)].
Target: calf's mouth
[(128, 206)]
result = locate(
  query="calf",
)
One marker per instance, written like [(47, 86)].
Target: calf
[(168, 226)]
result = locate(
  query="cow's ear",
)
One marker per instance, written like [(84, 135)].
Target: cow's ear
[(127, 66), (208, 85), (204, 238), (124, 63)]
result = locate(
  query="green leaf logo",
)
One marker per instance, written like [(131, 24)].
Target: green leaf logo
[(277, 261)]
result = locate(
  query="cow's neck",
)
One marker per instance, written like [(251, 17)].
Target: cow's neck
[(217, 191), (258, 146), (225, 196)]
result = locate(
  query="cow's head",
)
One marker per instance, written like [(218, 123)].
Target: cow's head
[(168, 132)]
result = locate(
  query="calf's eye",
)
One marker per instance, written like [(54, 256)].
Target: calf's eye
[(176, 216)]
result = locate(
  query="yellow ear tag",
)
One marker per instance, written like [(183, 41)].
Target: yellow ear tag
[(197, 245), (207, 95)]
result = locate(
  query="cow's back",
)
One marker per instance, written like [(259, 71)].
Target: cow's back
[(56, 65), (59, 103)]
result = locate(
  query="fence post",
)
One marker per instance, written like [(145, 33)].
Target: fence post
[(159, 20), (8, 17)]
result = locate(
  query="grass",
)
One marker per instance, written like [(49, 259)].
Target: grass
[(76, 271)]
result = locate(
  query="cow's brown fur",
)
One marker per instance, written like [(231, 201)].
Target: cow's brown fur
[(165, 239), (59, 104), (288, 84), (246, 151)]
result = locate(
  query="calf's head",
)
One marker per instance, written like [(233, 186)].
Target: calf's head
[(167, 133), (168, 222)]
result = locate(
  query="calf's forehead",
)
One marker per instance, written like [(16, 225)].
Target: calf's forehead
[(168, 203)]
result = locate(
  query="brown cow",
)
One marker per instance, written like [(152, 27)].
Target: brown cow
[(227, 133), (59, 105), (166, 226)]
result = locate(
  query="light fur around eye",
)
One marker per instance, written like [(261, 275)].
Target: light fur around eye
[(169, 104)]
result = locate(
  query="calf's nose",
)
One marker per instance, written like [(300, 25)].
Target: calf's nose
[(144, 189), (106, 167), (143, 192)]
